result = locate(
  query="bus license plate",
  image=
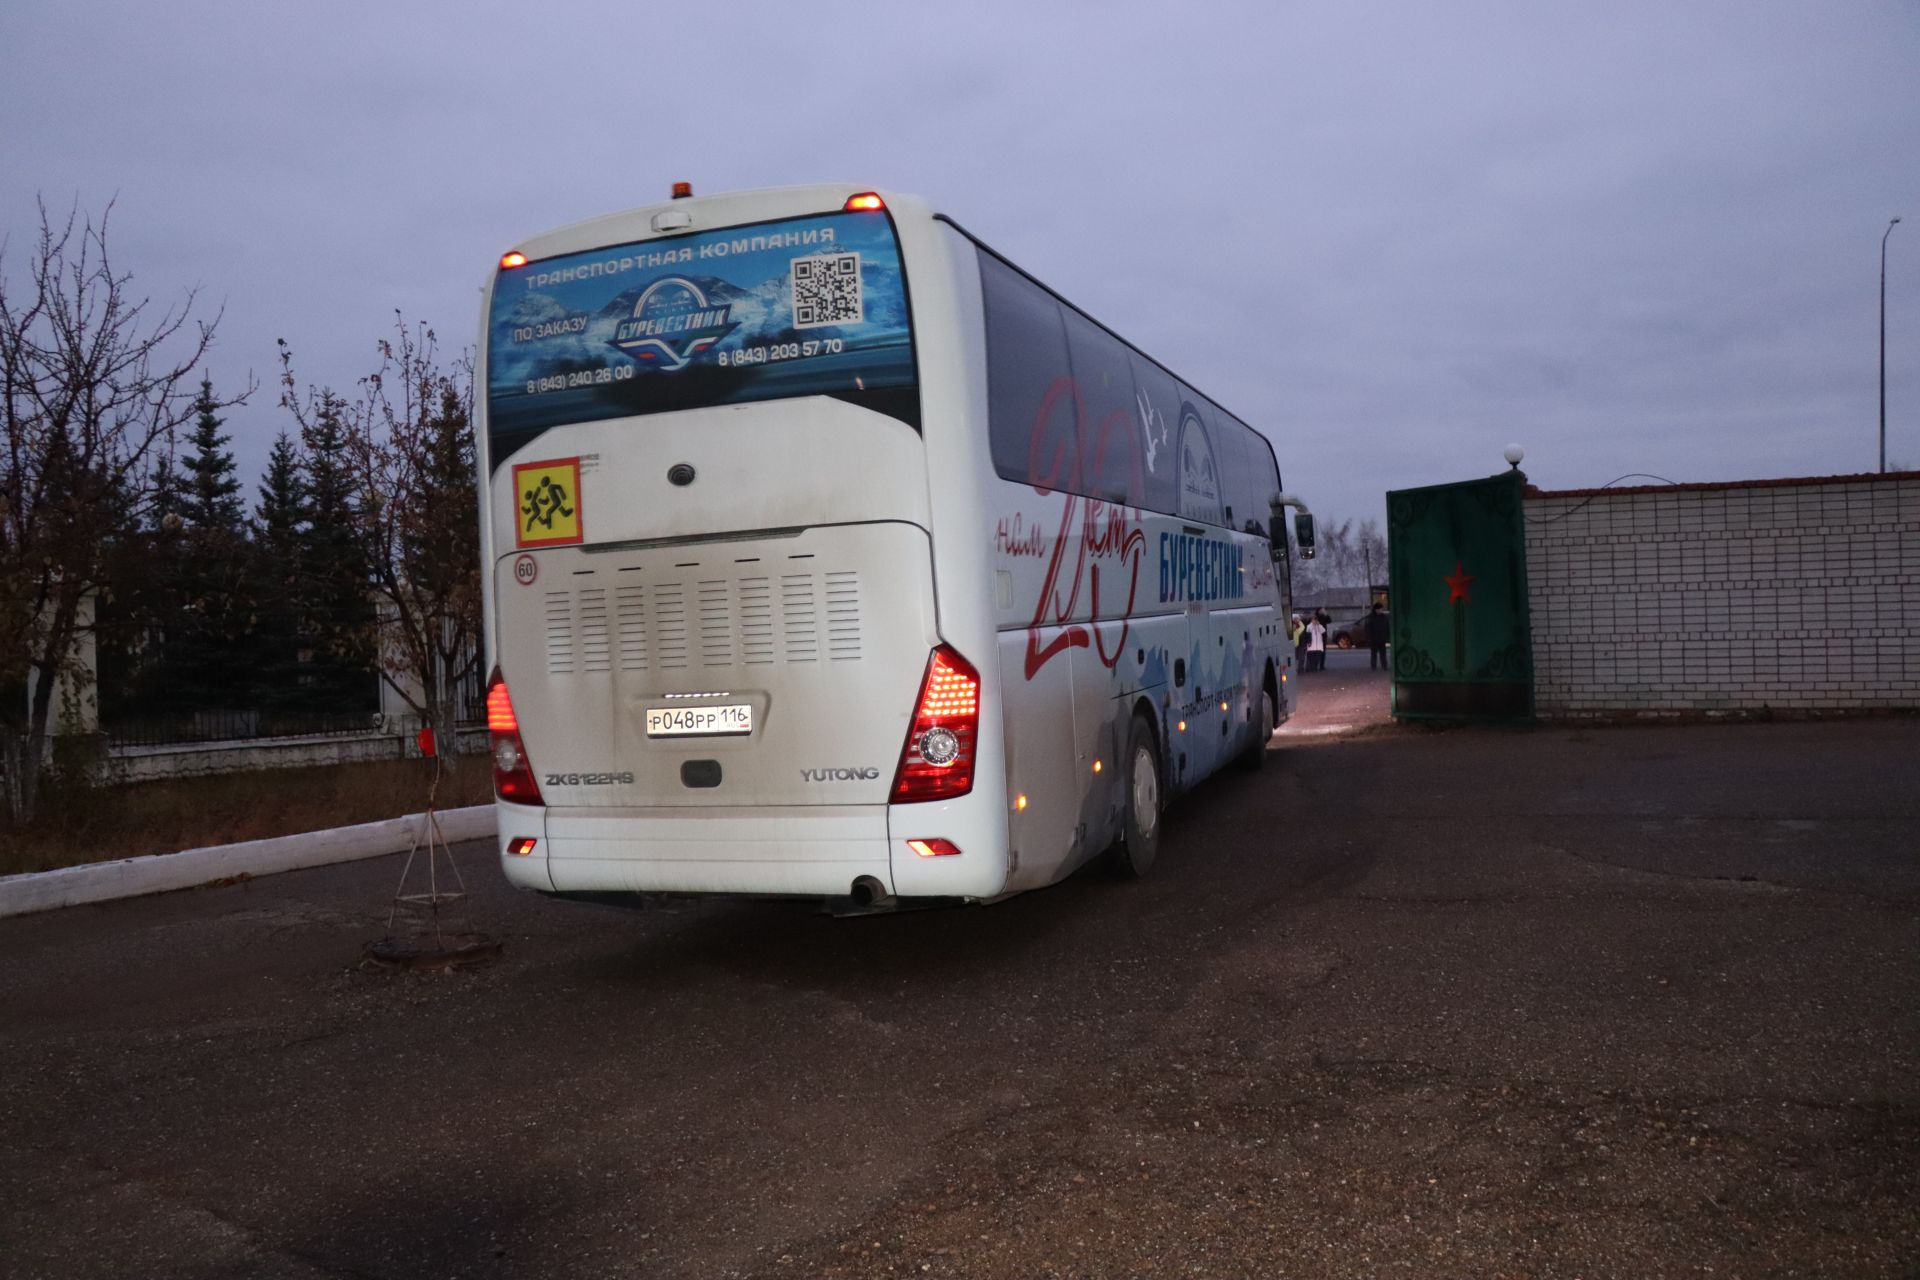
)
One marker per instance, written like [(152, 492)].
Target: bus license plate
[(671, 722)]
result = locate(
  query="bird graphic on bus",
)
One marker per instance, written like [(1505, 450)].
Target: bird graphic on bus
[(1154, 429)]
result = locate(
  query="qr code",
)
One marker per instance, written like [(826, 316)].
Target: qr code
[(826, 290)]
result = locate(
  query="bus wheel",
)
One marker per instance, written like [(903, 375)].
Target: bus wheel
[(1256, 754), (1135, 853)]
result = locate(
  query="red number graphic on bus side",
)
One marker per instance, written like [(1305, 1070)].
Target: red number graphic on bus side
[(1106, 529)]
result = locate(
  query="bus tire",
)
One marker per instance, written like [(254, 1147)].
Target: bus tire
[(1140, 837), (1255, 757)]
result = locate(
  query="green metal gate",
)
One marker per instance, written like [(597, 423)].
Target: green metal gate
[(1457, 556)]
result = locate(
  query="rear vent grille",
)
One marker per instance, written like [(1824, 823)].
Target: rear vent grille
[(756, 621), (799, 618), (558, 608), (670, 624), (630, 609), (596, 635), (714, 623), (843, 616)]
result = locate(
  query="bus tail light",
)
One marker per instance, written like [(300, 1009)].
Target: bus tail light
[(934, 848), (937, 762), (512, 772)]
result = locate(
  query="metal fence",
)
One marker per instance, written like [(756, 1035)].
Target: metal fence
[(238, 726), (470, 699)]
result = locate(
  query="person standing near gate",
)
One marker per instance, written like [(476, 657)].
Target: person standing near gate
[(1298, 634), (1377, 630), (1316, 645)]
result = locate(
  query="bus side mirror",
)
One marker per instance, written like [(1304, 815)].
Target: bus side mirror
[(1303, 534)]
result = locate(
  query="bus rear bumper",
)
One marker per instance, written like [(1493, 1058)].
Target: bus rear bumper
[(812, 850)]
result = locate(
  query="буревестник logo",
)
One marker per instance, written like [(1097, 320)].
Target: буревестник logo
[(671, 323)]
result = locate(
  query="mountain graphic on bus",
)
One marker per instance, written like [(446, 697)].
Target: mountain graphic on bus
[(672, 321)]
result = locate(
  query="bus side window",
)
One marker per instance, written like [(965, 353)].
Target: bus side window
[(1265, 473), (1032, 421), (1196, 462), (1158, 410), (1115, 465), (1236, 494)]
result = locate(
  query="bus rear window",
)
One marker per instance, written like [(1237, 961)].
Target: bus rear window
[(799, 307)]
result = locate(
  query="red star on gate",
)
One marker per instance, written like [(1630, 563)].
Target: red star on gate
[(1457, 584)]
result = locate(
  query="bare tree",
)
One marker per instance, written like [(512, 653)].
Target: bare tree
[(93, 385), (1345, 555), (1370, 548), (409, 449)]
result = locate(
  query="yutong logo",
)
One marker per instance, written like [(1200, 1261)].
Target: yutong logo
[(672, 322), (867, 774)]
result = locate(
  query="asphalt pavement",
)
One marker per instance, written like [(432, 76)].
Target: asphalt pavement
[(1541, 1002)]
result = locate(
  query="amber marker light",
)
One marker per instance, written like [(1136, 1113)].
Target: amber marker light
[(865, 200), (1020, 802), (508, 261), (682, 190), (1183, 726)]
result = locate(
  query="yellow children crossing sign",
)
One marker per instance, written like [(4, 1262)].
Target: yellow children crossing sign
[(547, 503)]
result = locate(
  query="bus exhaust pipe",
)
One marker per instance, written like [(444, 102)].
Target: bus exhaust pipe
[(869, 894)]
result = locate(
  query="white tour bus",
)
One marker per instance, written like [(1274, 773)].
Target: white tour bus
[(829, 553)]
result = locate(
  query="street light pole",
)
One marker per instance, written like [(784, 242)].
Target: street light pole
[(1883, 344)]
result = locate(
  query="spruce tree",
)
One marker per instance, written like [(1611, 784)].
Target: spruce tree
[(137, 605), (277, 584), (169, 496), (145, 604), (207, 655), (339, 613), (213, 488), (278, 514)]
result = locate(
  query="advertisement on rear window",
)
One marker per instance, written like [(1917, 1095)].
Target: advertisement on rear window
[(805, 306)]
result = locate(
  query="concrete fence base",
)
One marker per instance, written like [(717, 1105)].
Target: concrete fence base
[(183, 760), (160, 872)]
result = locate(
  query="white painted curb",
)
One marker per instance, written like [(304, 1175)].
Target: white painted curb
[(160, 872)]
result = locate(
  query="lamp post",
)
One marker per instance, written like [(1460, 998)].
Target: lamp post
[(1883, 344)]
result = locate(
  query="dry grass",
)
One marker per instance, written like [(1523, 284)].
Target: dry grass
[(78, 825)]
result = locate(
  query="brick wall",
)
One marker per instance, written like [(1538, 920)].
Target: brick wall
[(1791, 595)]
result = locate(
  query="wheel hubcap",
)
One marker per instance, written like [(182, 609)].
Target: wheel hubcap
[(1146, 793)]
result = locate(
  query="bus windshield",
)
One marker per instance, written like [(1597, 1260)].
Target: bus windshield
[(797, 307)]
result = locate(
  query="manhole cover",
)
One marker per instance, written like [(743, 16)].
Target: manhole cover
[(448, 951)]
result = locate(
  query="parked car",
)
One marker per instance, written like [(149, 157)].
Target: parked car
[(1353, 635)]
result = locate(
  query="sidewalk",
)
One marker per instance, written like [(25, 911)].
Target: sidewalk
[(1345, 698), (191, 868)]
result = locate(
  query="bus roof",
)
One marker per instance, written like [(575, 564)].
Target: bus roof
[(729, 209)]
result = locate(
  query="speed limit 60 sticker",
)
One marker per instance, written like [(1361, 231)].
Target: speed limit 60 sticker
[(525, 570)]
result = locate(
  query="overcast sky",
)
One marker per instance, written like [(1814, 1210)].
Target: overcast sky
[(1633, 238)]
